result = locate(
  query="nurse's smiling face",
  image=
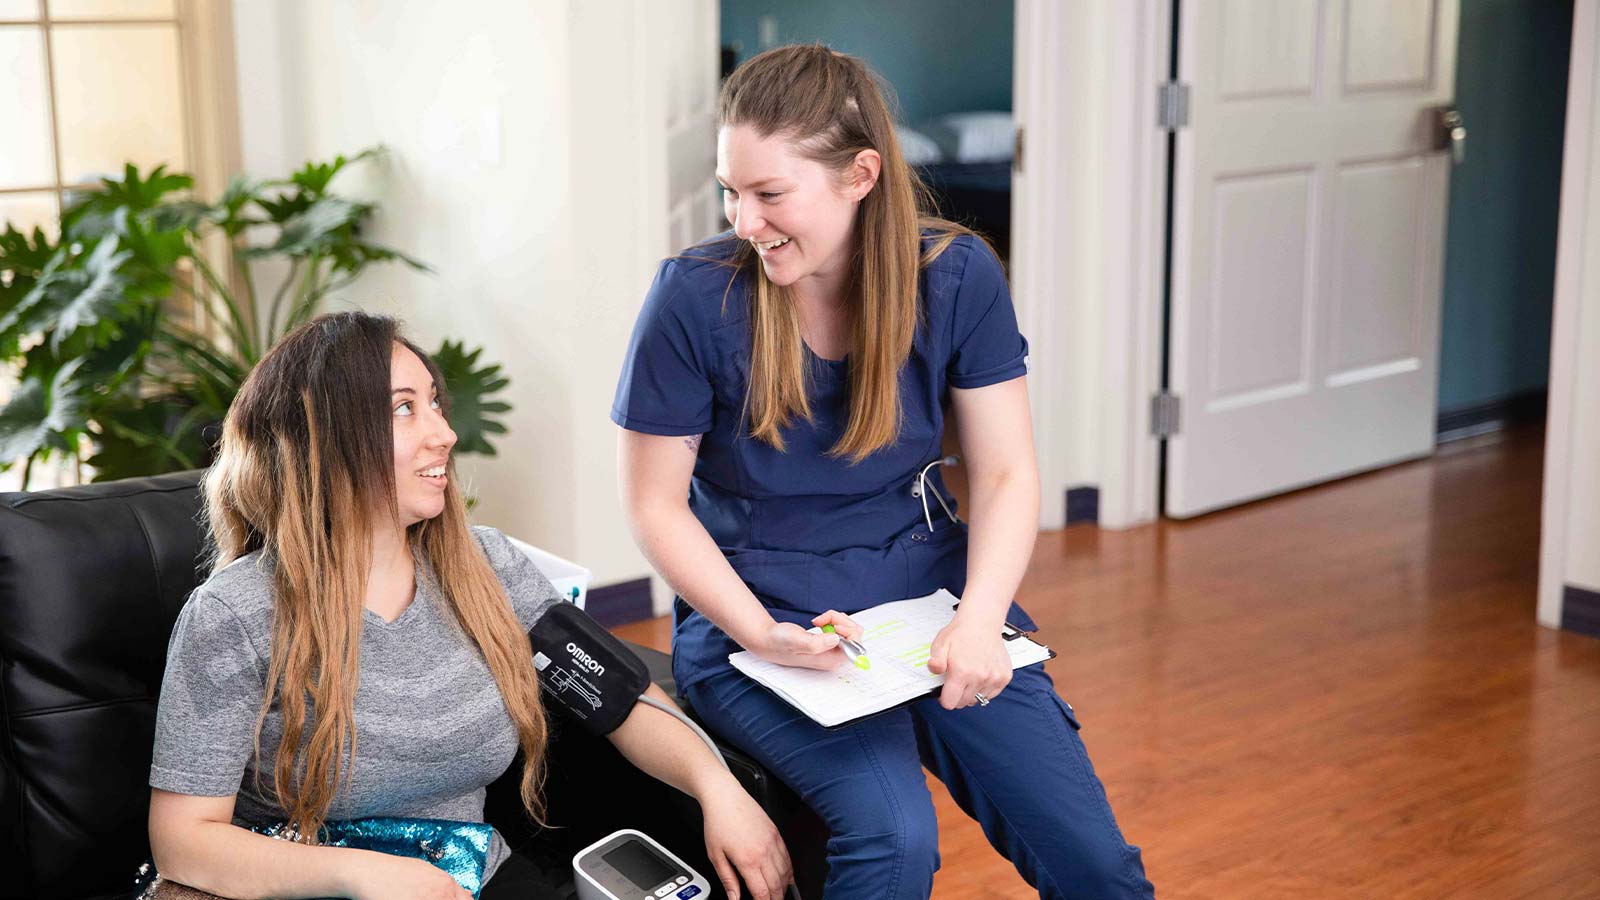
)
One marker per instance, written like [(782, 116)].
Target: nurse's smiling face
[(798, 214)]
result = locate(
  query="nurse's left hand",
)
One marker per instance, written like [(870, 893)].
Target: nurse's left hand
[(973, 659)]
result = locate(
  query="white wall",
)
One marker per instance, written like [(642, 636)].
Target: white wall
[(1570, 537), (506, 174)]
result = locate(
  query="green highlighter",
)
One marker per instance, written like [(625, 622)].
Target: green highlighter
[(856, 652)]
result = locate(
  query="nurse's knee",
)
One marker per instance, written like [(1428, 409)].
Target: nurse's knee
[(1104, 873), (907, 843), (919, 844)]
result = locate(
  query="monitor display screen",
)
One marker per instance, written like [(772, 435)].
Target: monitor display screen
[(641, 864)]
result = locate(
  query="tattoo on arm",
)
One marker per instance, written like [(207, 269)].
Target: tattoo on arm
[(693, 443)]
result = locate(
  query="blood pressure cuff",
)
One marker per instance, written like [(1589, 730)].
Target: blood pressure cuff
[(593, 676)]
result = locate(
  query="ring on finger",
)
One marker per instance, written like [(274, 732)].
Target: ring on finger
[(982, 700)]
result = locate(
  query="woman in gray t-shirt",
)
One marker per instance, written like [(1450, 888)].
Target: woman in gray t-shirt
[(359, 650)]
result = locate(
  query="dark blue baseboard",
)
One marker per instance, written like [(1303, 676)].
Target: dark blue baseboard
[(1580, 610), (1482, 418), (1083, 505), (619, 604)]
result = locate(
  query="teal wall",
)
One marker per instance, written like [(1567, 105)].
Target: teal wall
[(941, 56), (1500, 253)]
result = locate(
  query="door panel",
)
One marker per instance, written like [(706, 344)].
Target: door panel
[(1376, 273), (1390, 45), (1261, 261), (1269, 48), (1308, 218)]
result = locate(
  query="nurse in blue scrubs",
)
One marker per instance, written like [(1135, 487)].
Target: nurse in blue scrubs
[(785, 387)]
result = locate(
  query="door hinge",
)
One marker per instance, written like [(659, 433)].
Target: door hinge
[(1172, 105), (1016, 150), (1164, 415)]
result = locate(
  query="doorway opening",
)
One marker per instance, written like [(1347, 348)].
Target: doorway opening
[(949, 64)]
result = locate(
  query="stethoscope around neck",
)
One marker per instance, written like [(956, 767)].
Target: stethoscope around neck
[(922, 487)]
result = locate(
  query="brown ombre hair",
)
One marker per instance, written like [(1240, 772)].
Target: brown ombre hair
[(305, 472), (831, 107)]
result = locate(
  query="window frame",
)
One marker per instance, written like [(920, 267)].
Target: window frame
[(207, 81)]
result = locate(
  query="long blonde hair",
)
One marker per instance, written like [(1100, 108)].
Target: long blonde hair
[(831, 106), (305, 472)]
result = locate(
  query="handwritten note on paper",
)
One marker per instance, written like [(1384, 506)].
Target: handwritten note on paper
[(897, 640)]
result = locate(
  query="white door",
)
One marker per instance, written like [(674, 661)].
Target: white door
[(1308, 226)]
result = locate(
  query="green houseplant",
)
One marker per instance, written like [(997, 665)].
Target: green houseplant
[(109, 376)]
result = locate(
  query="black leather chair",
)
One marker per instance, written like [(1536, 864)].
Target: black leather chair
[(91, 581)]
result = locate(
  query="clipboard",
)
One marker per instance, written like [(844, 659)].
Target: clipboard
[(897, 638)]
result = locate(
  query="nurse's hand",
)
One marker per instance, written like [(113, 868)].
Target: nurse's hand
[(843, 624), (973, 660), (787, 644)]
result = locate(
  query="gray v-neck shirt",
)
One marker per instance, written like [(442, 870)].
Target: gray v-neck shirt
[(431, 728)]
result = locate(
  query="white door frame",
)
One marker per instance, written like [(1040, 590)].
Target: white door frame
[(1576, 235), (1088, 228)]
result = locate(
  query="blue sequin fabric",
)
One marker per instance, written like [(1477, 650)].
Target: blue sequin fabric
[(459, 848)]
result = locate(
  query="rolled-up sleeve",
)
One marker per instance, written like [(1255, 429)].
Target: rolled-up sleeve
[(665, 387), (986, 345)]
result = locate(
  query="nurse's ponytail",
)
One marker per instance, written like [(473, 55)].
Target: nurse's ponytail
[(831, 106)]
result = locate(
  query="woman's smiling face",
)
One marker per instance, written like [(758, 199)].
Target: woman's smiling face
[(422, 439), (793, 210)]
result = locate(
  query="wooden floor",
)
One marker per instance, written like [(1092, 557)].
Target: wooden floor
[(1339, 693)]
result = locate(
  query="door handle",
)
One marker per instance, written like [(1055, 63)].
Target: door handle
[(1452, 134)]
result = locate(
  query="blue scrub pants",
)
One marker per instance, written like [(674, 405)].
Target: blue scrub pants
[(1016, 766)]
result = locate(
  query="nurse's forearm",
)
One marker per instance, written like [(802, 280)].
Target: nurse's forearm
[(680, 548), (1003, 526)]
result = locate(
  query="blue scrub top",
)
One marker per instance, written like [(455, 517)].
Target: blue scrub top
[(808, 532)]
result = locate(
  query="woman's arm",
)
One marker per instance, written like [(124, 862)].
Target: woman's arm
[(996, 433), (653, 475), (193, 841), (210, 692), (739, 836)]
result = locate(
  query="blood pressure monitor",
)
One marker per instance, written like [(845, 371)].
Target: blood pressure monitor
[(629, 865)]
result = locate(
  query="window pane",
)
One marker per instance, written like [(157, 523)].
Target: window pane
[(118, 99), (111, 9), (19, 9), (24, 109), (29, 209)]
